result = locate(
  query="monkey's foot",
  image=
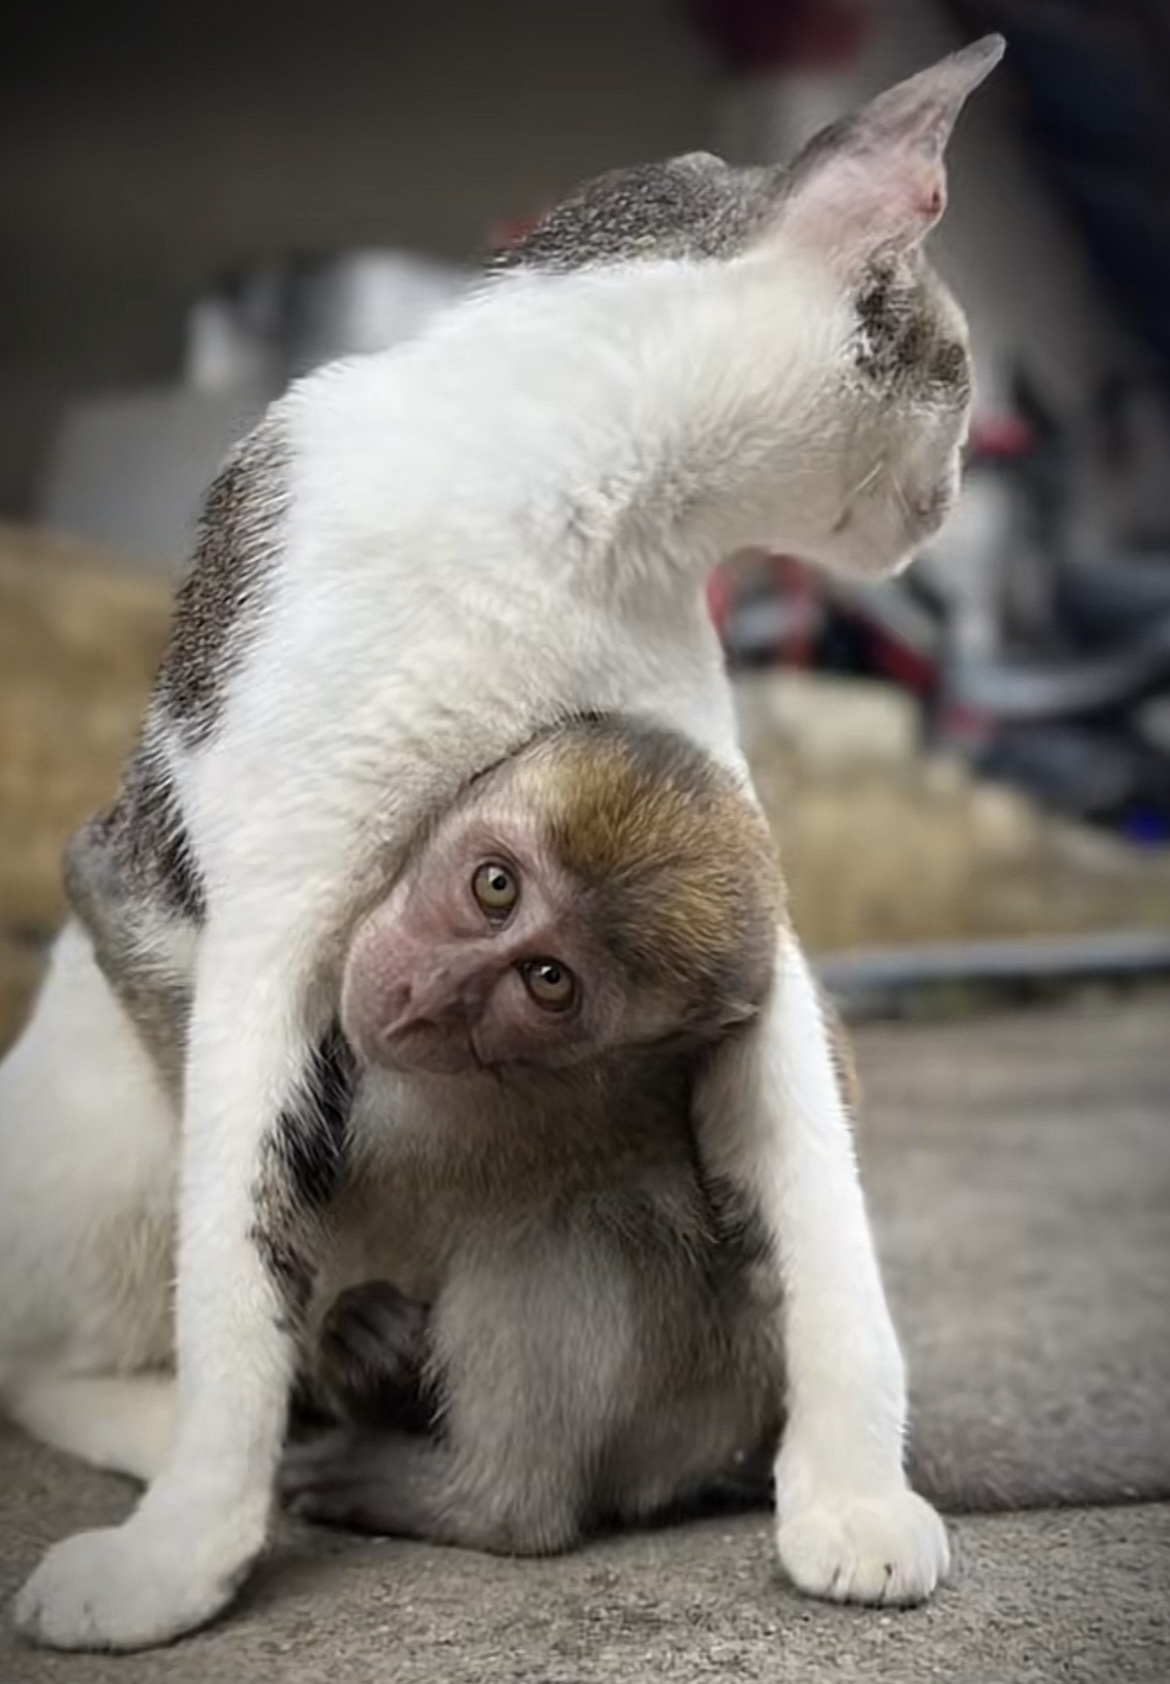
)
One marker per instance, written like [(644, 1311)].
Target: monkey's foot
[(128, 1587), (889, 1549)]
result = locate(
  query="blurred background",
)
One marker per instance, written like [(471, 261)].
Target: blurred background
[(200, 201)]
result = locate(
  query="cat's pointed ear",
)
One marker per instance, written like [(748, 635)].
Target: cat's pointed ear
[(876, 181)]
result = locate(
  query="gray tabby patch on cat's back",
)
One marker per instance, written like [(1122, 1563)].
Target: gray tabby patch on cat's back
[(692, 206), (218, 601), (131, 878)]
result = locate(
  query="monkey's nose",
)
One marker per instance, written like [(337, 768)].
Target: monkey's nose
[(435, 1005), (398, 1003)]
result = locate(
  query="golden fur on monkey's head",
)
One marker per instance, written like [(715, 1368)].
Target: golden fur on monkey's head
[(679, 864)]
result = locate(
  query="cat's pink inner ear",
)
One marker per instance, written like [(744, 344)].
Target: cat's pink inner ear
[(856, 207), (879, 183)]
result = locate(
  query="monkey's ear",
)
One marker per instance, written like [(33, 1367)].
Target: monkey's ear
[(876, 182)]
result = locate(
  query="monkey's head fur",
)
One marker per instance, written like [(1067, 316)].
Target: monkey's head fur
[(799, 376), (608, 888)]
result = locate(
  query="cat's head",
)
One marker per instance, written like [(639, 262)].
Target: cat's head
[(799, 298)]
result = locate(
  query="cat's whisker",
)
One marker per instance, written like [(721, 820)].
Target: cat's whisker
[(896, 483), (864, 484)]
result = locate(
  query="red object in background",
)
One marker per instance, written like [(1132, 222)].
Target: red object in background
[(965, 728), (999, 438), (502, 235), (898, 662), (775, 35)]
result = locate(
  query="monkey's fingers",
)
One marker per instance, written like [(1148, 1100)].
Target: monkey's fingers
[(304, 1464), (346, 1502), (342, 1479), (372, 1347)]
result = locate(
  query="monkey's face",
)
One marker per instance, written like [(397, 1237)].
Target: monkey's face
[(484, 955), (607, 888)]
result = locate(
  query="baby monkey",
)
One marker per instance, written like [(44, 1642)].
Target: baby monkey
[(579, 1328)]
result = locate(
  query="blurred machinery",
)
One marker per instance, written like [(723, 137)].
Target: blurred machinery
[(129, 468)]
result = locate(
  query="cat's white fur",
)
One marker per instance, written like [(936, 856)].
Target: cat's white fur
[(507, 520)]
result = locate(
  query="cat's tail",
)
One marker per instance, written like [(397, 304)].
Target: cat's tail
[(964, 1467), (121, 1422)]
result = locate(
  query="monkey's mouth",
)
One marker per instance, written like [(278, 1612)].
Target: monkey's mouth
[(427, 1050)]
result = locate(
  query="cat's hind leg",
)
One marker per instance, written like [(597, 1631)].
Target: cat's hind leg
[(87, 1161)]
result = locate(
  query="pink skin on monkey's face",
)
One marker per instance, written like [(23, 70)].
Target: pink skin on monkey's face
[(477, 958)]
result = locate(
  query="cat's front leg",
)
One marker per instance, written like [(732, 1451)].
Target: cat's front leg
[(772, 1119), (263, 1141)]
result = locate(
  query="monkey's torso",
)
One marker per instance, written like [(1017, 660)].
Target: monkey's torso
[(599, 1338)]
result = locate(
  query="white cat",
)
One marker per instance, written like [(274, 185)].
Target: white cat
[(417, 559)]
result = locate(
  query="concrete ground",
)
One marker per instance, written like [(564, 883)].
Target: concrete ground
[(1020, 1173)]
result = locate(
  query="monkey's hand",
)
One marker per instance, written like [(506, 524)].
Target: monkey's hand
[(372, 1358), (888, 1548)]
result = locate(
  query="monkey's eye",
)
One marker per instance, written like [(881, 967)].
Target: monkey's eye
[(495, 888), (551, 984)]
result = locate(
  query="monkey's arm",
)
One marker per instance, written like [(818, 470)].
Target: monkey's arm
[(524, 1363), (383, 1470), (771, 1119)]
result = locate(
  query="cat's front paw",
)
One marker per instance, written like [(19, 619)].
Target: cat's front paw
[(125, 1587), (890, 1549)]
